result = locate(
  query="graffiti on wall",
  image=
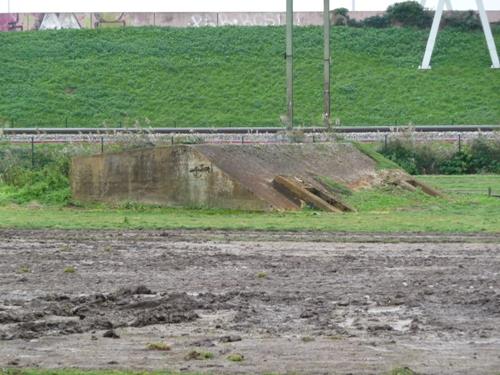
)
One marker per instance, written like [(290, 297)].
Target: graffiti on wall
[(58, 21), (10, 22), (109, 20), (46, 21)]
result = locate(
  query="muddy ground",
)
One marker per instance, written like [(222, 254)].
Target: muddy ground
[(293, 302)]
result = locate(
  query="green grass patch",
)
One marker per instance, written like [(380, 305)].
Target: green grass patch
[(70, 269), (235, 76), (379, 210), (473, 183), (381, 160), (236, 357), (334, 186)]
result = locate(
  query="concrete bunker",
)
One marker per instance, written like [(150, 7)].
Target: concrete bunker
[(245, 177)]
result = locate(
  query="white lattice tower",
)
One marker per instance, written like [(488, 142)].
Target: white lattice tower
[(426, 63)]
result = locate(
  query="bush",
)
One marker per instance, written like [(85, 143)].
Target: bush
[(408, 13), (485, 155), (341, 17), (46, 181), (480, 156), (460, 163), (464, 21), (378, 22), (341, 12)]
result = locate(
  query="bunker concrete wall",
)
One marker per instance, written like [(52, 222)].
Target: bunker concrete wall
[(44, 21), (170, 176)]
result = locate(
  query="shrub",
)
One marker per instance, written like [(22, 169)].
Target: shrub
[(378, 22), (479, 156), (341, 17), (464, 21), (408, 13), (44, 179), (485, 155), (341, 12), (460, 163)]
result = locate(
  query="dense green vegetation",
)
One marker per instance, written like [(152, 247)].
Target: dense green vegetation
[(482, 155), (234, 76), (42, 176)]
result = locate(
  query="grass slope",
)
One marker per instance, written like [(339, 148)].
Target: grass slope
[(234, 76)]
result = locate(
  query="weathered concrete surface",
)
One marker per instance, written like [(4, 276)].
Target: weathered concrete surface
[(223, 176), (34, 21), (174, 176)]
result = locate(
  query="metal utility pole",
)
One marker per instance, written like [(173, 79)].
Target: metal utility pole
[(289, 62), (353, 5), (327, 62)]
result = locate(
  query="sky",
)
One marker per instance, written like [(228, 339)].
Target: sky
[(45, 6)]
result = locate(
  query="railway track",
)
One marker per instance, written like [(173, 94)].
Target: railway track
[(249, 130), (242, 135)]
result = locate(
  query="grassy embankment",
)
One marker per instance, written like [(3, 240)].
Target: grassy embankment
[(234, 76)]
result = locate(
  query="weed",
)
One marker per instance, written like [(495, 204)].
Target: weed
[(197, 355), (24, 269), (70, 269), (262, 275), (160, 346), (65, 248), (236, 357), (307, 339)]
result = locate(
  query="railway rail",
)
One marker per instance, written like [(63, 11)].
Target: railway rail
[(250, 130), (243, 135)]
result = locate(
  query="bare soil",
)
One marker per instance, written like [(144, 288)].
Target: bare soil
[(287, 302)]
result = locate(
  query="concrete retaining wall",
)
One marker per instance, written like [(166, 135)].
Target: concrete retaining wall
[(173, 176), (43, 21)]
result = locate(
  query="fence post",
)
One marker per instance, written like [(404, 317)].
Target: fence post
[(102, 145), (66, 122), (489, 192), (460, 143), (32, 152), (385, 142)]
